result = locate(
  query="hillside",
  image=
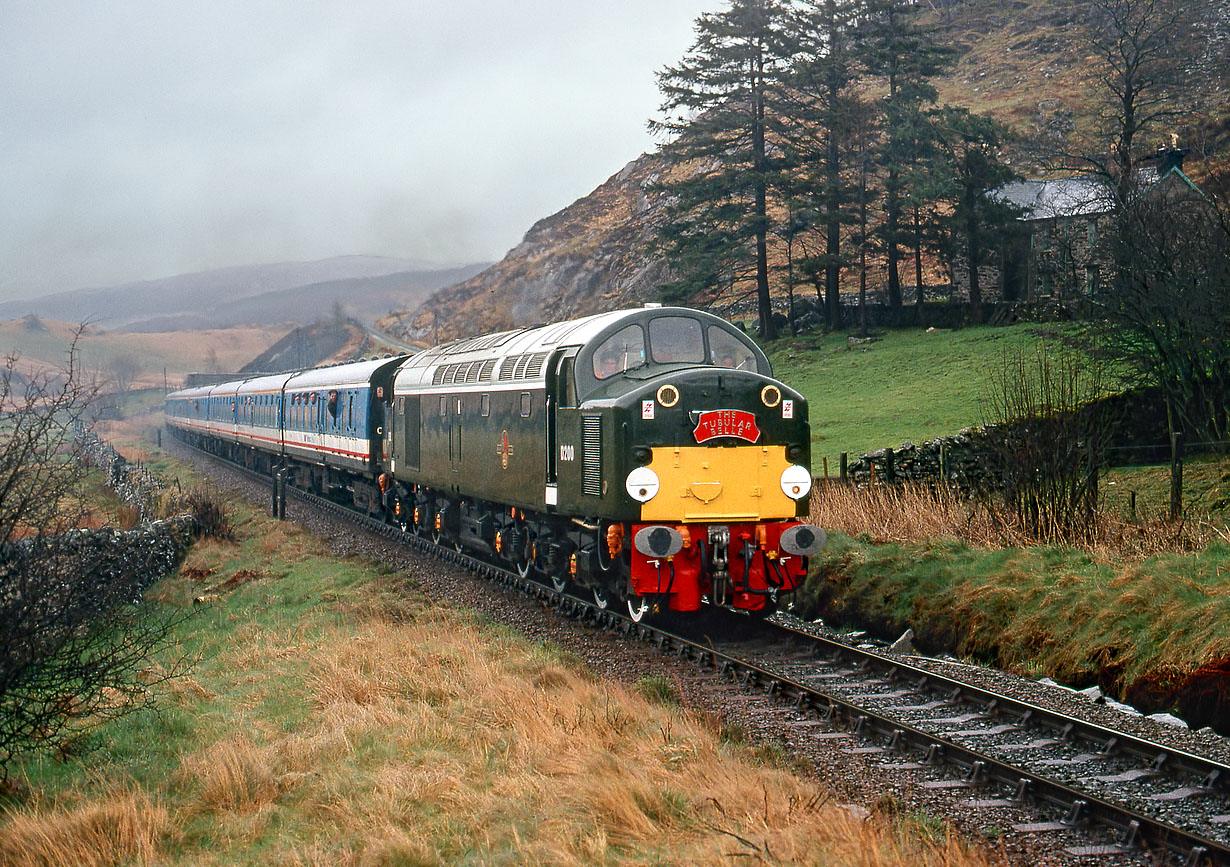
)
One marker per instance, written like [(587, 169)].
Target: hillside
[(291, 292), (151, 358), (1027, 62)]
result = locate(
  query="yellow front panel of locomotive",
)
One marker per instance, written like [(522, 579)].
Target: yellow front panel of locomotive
[(719, 484)]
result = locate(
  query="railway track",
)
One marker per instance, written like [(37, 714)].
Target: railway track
[(1127, 795)]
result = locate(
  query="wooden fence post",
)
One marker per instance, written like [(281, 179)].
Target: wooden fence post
[(1176, 475), (845, 467)]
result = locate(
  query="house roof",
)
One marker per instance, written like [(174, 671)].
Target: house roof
[(1060, 197)]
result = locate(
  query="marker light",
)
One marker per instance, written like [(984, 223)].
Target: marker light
[(796, 482), (642, 484)]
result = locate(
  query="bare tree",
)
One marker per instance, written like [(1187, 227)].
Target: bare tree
[(125, 368), (1140, 44), (76, 644), (1166, 313), (1048, 436)]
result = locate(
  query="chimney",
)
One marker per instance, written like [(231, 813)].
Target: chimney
[(1170, 157)]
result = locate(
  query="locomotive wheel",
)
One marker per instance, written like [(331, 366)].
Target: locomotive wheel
[(605, 561), (559, 582), (525, 563), (602, 597), (638, 607)]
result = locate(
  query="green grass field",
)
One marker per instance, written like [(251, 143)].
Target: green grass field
[(909, 385)]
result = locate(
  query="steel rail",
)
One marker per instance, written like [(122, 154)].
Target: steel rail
[(1212, 774)]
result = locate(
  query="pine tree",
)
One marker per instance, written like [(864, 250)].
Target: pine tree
[(978, 223), (820, 133), (721, 106), (894, 46)]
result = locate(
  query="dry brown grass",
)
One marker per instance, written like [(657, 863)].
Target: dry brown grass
[(915, 512), (234, 775), (496, 748), (123, 828), (902, 513)]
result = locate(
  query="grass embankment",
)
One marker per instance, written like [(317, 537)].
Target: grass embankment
[(1144, 612), (338, 715)]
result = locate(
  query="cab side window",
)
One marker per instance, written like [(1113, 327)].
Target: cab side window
[(725, 350), (623, 350)]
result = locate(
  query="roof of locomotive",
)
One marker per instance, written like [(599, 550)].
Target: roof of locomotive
[(519, 357)]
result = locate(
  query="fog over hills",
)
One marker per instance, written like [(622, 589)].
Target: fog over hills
[(297, 292)]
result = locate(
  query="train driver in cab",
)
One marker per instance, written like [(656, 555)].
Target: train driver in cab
[(607, 364)]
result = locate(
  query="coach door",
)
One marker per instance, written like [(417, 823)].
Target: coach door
[(375, 430)]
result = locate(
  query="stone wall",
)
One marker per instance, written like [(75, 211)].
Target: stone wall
[(1138, 435), (106, 567), (133, 483)]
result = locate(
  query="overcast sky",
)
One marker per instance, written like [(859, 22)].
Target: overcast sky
[(146, 138)]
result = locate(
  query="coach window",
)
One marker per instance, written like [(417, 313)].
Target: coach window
[(484, 406), (525, 404), (350, 411), (443, 406)]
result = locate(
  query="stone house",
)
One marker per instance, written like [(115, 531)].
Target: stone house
[(1056, 254)]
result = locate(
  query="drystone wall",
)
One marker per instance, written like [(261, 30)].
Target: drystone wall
[(133, 483), (966, 460)]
